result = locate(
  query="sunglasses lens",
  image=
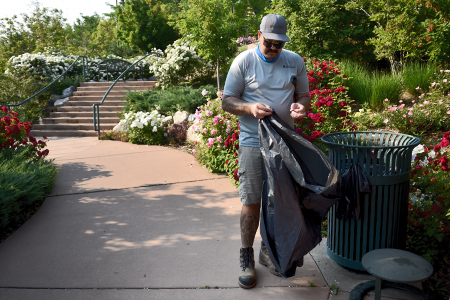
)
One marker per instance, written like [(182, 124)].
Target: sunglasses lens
[(270, 44)]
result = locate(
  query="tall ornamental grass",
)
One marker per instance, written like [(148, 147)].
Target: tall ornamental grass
[(417, 77), (371, 88)]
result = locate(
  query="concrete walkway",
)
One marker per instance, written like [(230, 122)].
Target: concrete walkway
[(146, 222)]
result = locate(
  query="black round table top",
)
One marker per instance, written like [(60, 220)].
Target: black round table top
[(396, 265)]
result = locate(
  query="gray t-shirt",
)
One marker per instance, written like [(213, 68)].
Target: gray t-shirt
[(273, 83)]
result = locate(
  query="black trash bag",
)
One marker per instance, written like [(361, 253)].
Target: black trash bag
[(354, 184), (300, 185)]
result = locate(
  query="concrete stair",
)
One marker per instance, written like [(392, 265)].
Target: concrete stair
[(76, 117)]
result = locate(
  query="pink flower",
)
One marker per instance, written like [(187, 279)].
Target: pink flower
[(445, 80), (205, 130), (411, 121), (385, 121), (386, 99), (417, 87), (219, 138), (214, 132), (410, 113), (204, 92), (194, 152), (404, 116), (209, 113), (448, 113), (401, 101)]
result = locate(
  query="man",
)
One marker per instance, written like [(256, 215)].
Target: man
[(261, 81)]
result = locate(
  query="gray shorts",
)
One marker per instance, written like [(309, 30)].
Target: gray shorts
[(250, 175)]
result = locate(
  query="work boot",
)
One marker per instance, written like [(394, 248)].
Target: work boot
[(247, 274), (264, 260)]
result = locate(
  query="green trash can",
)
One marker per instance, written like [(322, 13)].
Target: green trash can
[(386, 160)]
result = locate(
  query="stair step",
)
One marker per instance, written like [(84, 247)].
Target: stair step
[(90, 103), (90, 119), (75, 117), (74, 114), (71, 133), (68, 126), (99, 93), (103, 108), (98, 98), (120, 83), (124, 89)]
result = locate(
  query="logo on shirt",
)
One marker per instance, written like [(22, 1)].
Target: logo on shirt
[(288, 67)]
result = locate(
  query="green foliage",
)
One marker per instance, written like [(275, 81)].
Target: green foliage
[(416, 75), (169, 101), (15, 89), (219, 132), (214, 25), (143, 25), (24, 184), (325, 29), (430, 112), (371, 87), (43, 28), (428, 231), (329, 103), (407, 28)]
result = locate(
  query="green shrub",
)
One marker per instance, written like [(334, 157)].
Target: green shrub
[(416, 75), (169, 101), (24, 184), (14, 90)]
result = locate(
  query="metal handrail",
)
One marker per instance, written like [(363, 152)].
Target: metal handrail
[(96, 108), (8, 106)]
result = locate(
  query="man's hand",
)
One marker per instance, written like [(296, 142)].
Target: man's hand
[(298, 110), (260, 110)]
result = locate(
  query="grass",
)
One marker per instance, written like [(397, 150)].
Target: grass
[(371, 88), (415, 75)]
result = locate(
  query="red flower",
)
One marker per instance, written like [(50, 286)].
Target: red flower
[(235, 174), (436, 208)]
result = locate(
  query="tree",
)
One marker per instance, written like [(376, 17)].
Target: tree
[(143, 24), (43, 28), (214, 25), (80, 36), (325, 29), (408, 29)]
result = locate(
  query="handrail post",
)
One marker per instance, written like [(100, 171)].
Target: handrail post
[(97, 105), (84, 71)]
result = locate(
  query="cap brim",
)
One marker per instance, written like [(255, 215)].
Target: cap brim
[(276, 37)]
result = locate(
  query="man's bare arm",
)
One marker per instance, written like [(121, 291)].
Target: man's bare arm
[(303, 99), (238, 106)]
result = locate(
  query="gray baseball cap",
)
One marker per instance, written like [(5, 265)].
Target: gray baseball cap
[(274, 27)]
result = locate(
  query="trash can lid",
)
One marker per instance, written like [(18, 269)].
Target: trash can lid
[(396, 265)]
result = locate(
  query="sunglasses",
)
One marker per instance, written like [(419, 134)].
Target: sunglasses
[(270, 44)]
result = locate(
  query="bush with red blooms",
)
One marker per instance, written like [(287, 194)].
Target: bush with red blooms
[(15, 134), (429, 208), (329, 102)]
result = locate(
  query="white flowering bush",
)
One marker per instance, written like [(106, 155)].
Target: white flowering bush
[(145, 127), (52, 64), (175, 65)]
